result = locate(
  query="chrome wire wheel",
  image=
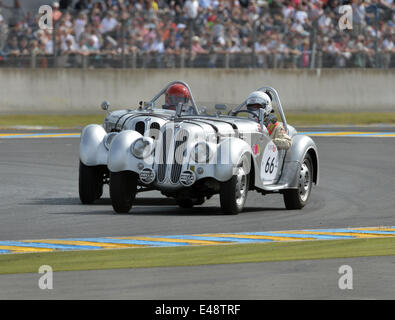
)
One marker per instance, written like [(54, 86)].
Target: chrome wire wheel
[(233, 193), (297, 198), (304, 182), (241, 186)]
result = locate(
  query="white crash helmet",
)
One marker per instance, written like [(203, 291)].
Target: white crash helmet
[(262, 99)]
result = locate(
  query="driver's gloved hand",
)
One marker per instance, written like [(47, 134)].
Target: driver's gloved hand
[(270, 119)]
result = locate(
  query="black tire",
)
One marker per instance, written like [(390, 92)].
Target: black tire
[(123, 189), (296, 199), (90, 183), (231, 202)]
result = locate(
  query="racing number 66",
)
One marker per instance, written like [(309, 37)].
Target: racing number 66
[(269, 166)]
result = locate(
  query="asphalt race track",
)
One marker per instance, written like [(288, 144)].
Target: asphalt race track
[(39, 196), (373, 278), (39, 199)]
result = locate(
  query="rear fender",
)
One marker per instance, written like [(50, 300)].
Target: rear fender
[(301, 145)]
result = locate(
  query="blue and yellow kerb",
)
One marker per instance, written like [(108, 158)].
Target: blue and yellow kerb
[(51, 245)]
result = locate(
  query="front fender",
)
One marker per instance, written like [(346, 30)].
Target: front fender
[(229, 154), (92, 149), (301, 145), (119, 156)]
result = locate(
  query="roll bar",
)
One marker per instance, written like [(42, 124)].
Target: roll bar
[(275, 97), (150, 103)]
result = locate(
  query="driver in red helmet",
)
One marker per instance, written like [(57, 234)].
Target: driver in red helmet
[(175, 94)]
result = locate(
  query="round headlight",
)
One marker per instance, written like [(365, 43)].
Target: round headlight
[(108, 139), (142, 148), (201, 152)]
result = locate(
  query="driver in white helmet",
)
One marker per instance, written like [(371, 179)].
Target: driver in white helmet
[(260, 100)]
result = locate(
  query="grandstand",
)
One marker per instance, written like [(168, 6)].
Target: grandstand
[(198, 34)]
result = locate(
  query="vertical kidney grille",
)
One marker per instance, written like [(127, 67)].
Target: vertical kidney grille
[(140, 127), (166, 141), (154, 130), (182, 137), (177, 154)]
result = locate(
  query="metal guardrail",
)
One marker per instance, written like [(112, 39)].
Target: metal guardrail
[(211, 60), (227, 60)]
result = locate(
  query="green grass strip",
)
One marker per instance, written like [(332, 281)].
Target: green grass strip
[(195, 255), (358, 118), (295, 119), (61, 121)]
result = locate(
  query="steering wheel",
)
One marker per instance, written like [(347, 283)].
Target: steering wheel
[(247, 111)]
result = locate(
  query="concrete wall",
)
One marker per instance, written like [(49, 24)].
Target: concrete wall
[(77, 90)]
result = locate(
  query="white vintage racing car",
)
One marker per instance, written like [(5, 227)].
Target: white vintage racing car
[(146, 120), (191, 156)]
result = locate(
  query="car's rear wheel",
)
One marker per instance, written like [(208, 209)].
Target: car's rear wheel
[(297, 198), (123, 189), (233, 193), (90, 183)]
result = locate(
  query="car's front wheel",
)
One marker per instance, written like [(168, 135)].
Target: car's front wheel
[(298, 198), (233, 193), (123, 189), (90, 183)]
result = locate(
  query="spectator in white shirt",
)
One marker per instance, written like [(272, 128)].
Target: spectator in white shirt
[(79, 25), (108, 23), (388, 49), (261, 50), (191, 7)]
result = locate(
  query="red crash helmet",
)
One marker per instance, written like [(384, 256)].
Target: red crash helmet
[(175, 94)]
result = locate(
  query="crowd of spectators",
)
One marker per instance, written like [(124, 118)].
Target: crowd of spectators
[(202, 33)]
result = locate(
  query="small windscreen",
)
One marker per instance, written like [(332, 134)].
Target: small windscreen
[(174, 100)]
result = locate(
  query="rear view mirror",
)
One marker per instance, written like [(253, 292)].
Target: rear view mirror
[(105, 105)]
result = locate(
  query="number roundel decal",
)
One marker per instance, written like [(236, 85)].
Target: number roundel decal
[(269, 165)]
